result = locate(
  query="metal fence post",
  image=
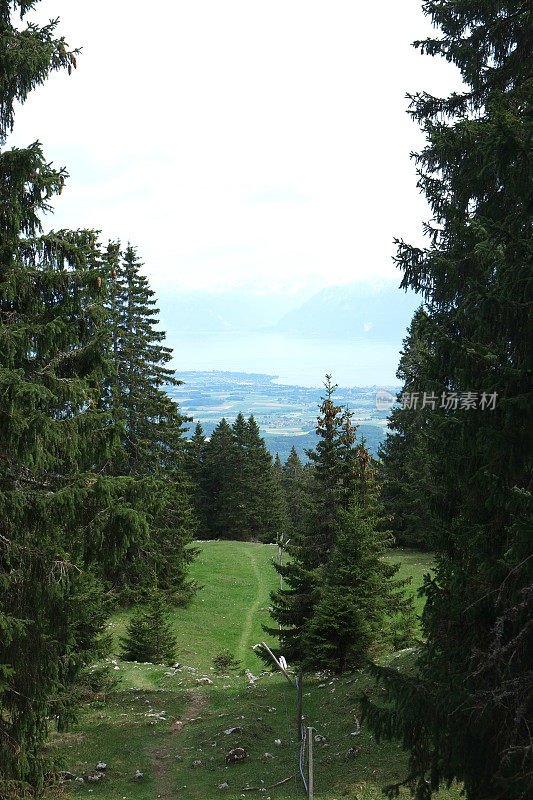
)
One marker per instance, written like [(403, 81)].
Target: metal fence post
[(310, 782)]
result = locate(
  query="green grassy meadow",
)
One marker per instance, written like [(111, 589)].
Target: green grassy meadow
[(164, 723)]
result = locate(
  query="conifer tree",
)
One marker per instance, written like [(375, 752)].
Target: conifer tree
[(329, 476), (154, 435), (240, 467), (66, 519), (283, 525), (195, 455), (149, 634), (293, 605), (219, 472), (243, 500), (337, 589), (264, 499), (51, 430), (293, 482), (355, 593), (405, 473), (152, 449), (464, 714)]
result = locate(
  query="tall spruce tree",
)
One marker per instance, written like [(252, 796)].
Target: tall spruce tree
[(219, 471), (195, 455), (240, 468), (152, 431), (264, 497), (283, 525), (310, 547), (355, 594), (52, 432), (337, 589), (405, 473), (465, 714), (67, 519), (293, 483), (243, 499)]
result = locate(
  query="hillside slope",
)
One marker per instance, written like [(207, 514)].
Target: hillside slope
[(176, 731)]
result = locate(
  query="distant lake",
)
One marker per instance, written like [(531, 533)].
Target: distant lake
[(297, 361)]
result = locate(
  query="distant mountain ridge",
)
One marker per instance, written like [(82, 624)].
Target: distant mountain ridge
[(360, 310), (235, 309)]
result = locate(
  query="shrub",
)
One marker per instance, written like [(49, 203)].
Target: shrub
[(149, 635)]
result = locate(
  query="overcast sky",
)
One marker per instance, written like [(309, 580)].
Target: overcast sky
[(240, 140)]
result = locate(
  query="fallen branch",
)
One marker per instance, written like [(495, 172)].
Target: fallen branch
[(272, 785)]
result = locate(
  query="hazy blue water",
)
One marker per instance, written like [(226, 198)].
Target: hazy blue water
[(301, 362)]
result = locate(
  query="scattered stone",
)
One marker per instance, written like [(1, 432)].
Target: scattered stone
[(79, 780), (229, 731), (268, 755), (101, 765), (235, 755), (204, 681), (319, 738), (224, 785), (278, 742), (197, 763), (138, 775)]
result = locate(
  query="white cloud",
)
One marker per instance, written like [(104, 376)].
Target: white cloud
[(240, 140)]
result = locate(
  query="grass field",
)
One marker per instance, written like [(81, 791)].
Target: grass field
[(162, 722)]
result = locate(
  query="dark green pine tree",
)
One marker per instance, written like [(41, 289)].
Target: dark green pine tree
[(333, 608), (152, 432), (284, 524), (356, 593), (195, 455), (311, 545), (329, 477), (153, 424), (52, 432), (293, 481), (264, 498), (466, 713), (149, 634), (240, 467), (405, 472), (219, 473)]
